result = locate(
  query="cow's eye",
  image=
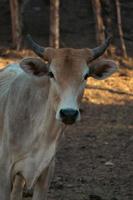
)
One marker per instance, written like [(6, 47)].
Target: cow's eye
[(86, 76), (51, 75)]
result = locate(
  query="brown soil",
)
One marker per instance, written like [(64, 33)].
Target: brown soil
[(95, 157)]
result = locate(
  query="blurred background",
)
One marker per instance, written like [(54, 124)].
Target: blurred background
[(78, 24), (95, 160)]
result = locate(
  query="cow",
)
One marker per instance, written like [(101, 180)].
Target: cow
[(39, 98)]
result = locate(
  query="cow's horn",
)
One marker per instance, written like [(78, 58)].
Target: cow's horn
[(98, 51), (35, 47)]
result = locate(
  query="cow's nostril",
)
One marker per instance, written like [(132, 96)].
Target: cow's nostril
[(68, 113), (68, 116)]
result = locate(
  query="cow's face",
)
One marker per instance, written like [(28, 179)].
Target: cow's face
[(68, 71)]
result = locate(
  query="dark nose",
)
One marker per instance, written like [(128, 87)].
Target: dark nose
[(69, 116)]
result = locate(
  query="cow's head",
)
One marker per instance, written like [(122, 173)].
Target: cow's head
[(68, 70)]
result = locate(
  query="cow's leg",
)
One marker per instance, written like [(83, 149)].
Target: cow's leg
[(18, 185), (42, 185)]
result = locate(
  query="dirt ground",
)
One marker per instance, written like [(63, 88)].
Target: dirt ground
[(95, 158)]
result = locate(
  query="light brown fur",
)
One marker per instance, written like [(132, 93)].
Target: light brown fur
[(29, 130)]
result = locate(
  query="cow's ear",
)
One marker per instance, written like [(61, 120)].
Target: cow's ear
[(34, 66), (102, 69)]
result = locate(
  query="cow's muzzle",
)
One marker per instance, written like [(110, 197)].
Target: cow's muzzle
[(68, 116)]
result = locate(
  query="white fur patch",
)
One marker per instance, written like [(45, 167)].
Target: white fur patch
[(68, 101)]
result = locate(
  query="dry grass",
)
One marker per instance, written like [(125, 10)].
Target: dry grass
[(120, 85)]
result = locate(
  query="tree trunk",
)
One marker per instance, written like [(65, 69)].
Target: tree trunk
[(119, 22), (54, 23), (107, 21), (16, 24), (106, 15), (99, 21)]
